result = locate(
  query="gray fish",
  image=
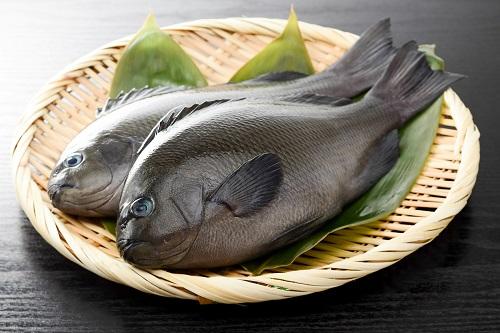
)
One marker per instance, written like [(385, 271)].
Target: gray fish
[(90, 173), (243, 178)]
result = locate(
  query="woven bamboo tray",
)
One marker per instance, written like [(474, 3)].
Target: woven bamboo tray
[(68, 102)]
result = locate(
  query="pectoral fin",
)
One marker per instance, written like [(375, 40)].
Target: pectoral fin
[(251, 187)]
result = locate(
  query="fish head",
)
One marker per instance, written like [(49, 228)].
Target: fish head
[(90, 174), (160, 218)]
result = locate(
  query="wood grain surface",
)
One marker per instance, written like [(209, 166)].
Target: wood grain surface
[(451, 285)]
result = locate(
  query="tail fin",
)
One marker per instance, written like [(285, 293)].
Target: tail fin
[(367, 59), (409, 84)]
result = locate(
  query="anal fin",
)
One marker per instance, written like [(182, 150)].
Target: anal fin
[(382, 157), (295, 233)]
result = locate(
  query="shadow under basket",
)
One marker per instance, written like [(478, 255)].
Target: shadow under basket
[(68, 103)]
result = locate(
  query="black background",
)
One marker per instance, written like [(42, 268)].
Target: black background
[(452, 285)]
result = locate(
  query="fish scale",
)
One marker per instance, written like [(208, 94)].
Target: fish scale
[(239, 179), (308, 146), (124, 123)]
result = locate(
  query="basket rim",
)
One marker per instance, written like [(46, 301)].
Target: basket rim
[(430, 226)]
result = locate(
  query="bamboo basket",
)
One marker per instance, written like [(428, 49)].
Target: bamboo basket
[(68, 102)]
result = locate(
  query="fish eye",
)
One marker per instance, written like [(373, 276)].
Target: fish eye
[(142, 207), (73, 160)]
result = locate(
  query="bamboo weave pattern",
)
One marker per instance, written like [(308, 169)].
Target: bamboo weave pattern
[(68, 102)]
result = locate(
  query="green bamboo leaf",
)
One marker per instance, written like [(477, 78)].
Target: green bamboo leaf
[(383, 198), (286, 53), (109, 226), (435, 62), (153, 59)]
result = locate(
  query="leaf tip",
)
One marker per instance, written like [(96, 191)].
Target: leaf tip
[(150, 23), (292, 25), (435, 61), (292, 15)]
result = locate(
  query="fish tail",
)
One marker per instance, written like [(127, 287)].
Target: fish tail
[(363, 64), (409, 84)]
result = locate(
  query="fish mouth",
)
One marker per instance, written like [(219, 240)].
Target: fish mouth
[(128, 246), (125, 246), (96, 195), (94, 204), (92, 207), (55, 190), (99, 199)]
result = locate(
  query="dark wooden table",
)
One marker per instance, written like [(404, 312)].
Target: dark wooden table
[(451, 285)]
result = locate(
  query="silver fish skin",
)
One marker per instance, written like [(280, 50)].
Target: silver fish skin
[(241, 179), (90, 173)]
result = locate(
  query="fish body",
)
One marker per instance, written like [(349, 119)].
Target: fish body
[(91, 171), (234, 180)]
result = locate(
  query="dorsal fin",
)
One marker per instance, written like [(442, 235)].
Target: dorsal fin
[(175, 115), (135, 95), (318, 99), (276, 77)]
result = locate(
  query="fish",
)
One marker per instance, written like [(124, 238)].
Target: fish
[(234, 180), (89, 175)]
